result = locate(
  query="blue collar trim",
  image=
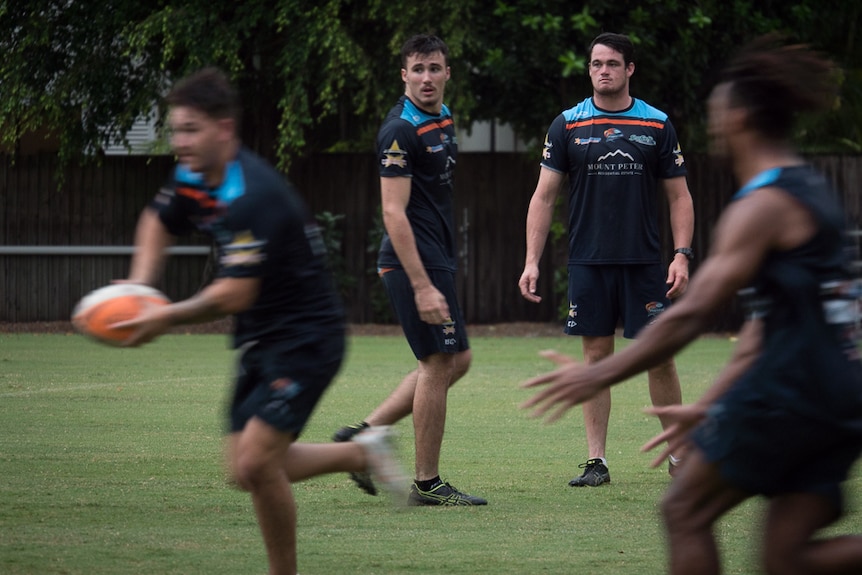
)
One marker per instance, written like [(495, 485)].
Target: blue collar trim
[(232, 187), (762, 179)]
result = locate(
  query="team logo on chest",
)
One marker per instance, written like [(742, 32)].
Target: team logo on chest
[(612, 134)]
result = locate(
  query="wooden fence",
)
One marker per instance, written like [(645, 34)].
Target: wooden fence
[(98, 205)]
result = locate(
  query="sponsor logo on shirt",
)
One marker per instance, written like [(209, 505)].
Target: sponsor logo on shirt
[(644, 140), (448, 173), (444, 139), (616, 163), (616, 153)]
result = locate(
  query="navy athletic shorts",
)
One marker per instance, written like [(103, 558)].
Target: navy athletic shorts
[(602, 296), (281, 384), (424, 338), (766, 450)]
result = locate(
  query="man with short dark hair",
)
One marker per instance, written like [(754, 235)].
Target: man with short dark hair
[(417, 261), (615, 151)]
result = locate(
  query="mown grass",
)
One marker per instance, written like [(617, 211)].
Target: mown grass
[(110, 463)]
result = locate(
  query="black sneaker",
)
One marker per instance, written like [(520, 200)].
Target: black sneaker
[(595, 473), (347, 432), (362, 479), (442, 494)]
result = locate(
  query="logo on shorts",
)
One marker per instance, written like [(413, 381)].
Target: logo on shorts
[(280, 383), (449, 329), (283, 390), (573, 313), (653, 309)]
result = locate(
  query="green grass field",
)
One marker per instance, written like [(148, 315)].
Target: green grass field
[(110, 463)]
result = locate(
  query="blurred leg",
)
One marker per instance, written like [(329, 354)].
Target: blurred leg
[(693, 502), (791, 523)]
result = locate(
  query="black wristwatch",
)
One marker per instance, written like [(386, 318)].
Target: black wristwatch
[(687, 252)]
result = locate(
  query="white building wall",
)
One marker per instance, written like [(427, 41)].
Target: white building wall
[(485, 136), (141, 138)]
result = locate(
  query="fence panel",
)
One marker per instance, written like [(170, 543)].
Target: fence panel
[(97, 204)]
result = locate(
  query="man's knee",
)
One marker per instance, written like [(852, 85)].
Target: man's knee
[(664, 374), (445, 367), (246, 473), (463, 360), (665, 367), (252, 470), (679, 513), (597, 348)]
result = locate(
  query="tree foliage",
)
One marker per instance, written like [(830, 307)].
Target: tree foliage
[(318, 75), (53, 73), (532, 63)]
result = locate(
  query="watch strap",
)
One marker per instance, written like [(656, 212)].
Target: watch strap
[(687, 252)]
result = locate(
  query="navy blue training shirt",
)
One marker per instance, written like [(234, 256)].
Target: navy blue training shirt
[(614, 161), (264, 230), (415, 144)]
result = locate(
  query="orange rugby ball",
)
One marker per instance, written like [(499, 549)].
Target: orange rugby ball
[(111, 304)]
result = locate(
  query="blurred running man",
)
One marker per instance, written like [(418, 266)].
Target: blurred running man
[(272, 275)]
